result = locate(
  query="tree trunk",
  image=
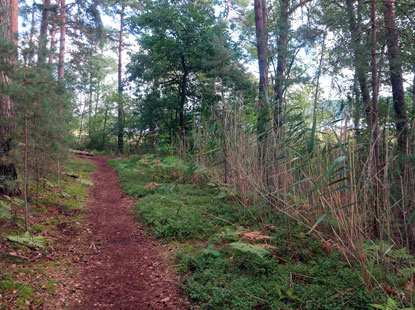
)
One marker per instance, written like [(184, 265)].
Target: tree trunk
[(282, 49), (25, 170), (356, 108), (62, 41), (43, 36), (398, 92), (152, 123), (261, 24), (82, 122), (152, 131), (9, 24), (182, 93), (359, 61), (120, 87), (375, 128), (90, 107), (53, 34), (105, 127), (413, 107)]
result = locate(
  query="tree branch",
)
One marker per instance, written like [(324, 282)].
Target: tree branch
[(295, 7)]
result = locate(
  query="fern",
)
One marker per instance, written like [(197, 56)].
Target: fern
[(5, 210), (391, 304), (381, 250), (407, 272), (230, 234), (85, 182), (28, 239), (248, 248)]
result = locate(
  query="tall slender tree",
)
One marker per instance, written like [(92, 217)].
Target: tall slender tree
[(43, 36), (8, 31), (261, 25), (359, 61), (286, 10), (396, 78), (120, 86), (62, 40), (53, 33), (375, 124)]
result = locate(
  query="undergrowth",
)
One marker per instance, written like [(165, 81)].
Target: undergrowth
[(31, 263), (229, 259)]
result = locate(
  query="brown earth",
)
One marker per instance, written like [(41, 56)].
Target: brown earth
[(125, 268)]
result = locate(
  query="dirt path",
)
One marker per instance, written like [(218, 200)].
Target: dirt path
[(124, 270)]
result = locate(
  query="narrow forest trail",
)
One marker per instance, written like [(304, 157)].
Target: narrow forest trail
[(126, 269)]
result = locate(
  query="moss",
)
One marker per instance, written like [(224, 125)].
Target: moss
[(7, 283), (26, 293)]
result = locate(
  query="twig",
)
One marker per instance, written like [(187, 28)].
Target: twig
[(216, 217), (260, 299), (14, 256)]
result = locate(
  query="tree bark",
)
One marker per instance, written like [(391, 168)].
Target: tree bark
[(282, 49), (182, 103), (62, 41), (9, 31), (152, 131), (82, 122), (120, 87), (53, 34), (43, 36), (398, 92), (375, 127), (261, 25), (359, 61), (104, 130), (152, 122)]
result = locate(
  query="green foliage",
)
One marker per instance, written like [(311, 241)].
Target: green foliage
[(76, 167), (237, 280), (23, 292), (7, 283), (231, 272), (85, 182), (37, 228), (171, 216), (390, 304), (171, 204), (28, 239), (249, 248), (26, 283), (5, 210), (178, 43)]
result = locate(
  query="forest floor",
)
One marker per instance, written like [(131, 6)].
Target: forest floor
[(206, 250), (95, 253), (126, 269)]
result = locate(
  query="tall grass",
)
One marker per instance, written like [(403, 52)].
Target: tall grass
[(319, 176)]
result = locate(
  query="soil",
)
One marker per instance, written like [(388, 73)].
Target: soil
[(126, 267)]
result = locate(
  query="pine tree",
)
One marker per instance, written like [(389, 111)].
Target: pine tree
[(8, 62)]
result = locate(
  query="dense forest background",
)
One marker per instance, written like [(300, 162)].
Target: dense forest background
[(303, 110)]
